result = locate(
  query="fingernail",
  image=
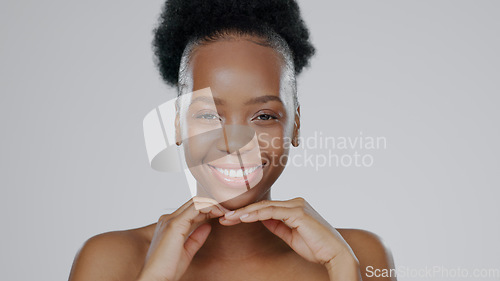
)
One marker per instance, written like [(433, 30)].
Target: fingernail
[(244, 216), (228, 214)]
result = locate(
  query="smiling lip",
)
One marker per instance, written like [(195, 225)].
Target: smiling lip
[(233, 175)]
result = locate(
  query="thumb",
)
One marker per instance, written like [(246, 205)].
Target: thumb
[(279, 229), (196, 239)]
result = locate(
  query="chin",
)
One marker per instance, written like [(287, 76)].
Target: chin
[(255, 194), (230, 184), (234, 195)]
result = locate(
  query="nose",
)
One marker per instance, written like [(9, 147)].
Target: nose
[(236, 138)]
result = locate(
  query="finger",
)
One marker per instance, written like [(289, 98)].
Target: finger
[(197, 200), (279, 229), (197, 239), (290, 216), (229, 222), (207, 207), (183, 207), (233, 218), (234, 215), (191, 218), (203, 200)]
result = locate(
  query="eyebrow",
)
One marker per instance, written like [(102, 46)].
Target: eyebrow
[(263, 99), (206, 99), (218, 101)]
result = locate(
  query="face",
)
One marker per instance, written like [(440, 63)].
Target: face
[(235, 125)]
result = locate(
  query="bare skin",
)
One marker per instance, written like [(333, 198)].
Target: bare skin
[(120, 255), (277, 241)]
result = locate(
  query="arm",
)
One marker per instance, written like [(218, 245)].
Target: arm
[(371, 253), (126, 255), (344, 267), (109, 256)]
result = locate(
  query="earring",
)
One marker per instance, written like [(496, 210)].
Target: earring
[(178, 143)]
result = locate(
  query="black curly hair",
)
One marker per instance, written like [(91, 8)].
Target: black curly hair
[(184, 20)]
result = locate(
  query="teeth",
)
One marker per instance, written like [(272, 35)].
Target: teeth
[(236, 173), (232, 173), (239, 173)]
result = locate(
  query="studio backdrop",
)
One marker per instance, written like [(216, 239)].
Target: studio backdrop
[(400, 129)]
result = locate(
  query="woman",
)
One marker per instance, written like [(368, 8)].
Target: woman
[(234, 64)]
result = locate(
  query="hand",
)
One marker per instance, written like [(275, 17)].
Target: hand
[(301, 227), (177, 238)]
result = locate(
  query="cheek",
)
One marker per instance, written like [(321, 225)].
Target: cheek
[(273, 147), (196, 145), (202, 143)]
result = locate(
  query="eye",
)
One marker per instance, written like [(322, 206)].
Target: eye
[(265, 117), (207, 116)]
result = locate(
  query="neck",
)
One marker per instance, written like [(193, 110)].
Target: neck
[(241, 241)]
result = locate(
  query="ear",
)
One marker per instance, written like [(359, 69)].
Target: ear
[(178, 137), (296, 128)]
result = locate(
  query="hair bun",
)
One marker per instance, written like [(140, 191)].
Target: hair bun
[(182, 20)]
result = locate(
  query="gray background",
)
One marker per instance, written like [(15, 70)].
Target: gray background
[(77, 78)]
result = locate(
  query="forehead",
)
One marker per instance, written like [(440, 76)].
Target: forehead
[(238, 65)]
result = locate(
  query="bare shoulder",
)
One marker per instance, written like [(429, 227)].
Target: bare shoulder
[(115, 255), (371, 251)]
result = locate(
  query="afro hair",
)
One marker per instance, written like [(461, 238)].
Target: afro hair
[(184, 20)]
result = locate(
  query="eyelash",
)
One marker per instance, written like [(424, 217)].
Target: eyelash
[(202, 116), (213, 117), (271, 117)]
